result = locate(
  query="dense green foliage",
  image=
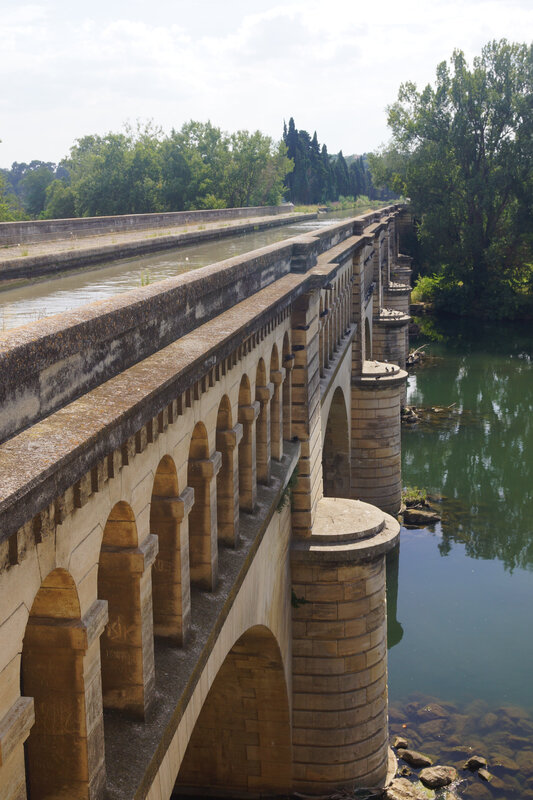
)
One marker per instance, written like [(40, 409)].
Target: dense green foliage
[(318, 177), (462, 151), (142, 171)]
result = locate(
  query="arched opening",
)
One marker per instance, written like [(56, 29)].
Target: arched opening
[(228, 476), (247, 462), (336, 449), (287, 361), (241, 741), (203, 554), (126, 645), (170, 576), (263, 395), (368, 341), (276, 406), (64, 751)]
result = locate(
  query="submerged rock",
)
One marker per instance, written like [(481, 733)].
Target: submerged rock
[(414, 758), (435, 777), (475, 762), (402, 789)]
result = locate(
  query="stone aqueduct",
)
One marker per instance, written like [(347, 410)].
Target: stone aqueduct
[(171, 620)]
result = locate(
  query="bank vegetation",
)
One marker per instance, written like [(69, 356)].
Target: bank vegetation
[(462, 151)]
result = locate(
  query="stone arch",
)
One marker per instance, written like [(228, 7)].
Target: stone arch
[(263, 394), (64, 752), (336, 449), (203, 553), (170, 577), (126, 645), (368, 341), (276, 405), (286, 394), (247, 446), (242, 739), (227, 440)]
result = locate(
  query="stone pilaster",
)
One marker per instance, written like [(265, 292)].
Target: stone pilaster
[(263, 394), (276, 414), (340, 728), (128, 672), (306, 412), (203, 541), (247, 416), (228, 485), (171, 590)]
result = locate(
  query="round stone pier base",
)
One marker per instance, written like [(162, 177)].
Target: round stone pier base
[(340, 723)]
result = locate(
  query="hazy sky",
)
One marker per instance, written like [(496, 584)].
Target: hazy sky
[(70, 68)]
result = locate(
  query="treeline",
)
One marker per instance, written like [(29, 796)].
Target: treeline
[(318, 177), (142, 171)]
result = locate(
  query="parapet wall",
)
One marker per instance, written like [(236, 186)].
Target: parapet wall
[(31, 231), (54, 361)]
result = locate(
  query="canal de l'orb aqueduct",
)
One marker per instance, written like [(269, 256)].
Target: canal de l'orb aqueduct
[(199, 483)]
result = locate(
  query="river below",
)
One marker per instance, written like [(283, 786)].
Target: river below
[(461, 592), (22, 305)]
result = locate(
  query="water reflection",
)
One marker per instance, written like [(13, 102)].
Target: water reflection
[(477, 453)]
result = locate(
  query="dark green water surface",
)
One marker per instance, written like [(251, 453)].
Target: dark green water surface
[(461, 623)]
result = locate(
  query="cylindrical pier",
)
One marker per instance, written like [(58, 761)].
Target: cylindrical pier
[(376, 435), (340, 727)]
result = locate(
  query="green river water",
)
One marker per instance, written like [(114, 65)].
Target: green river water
[(461, 592)]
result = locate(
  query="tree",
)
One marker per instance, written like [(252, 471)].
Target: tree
[(462, 150)]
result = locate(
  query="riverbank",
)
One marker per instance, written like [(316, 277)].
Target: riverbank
[(21, 264)]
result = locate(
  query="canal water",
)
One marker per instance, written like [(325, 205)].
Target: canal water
[(20, 306), (461, 592)]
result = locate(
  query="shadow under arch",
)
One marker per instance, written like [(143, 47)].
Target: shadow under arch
[(336, 449), (241, 742), (57, 750), (368, 341)]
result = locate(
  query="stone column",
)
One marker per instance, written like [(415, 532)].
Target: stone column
[(203, 540), (340, 727), (276, 414), (171, 584), (247, 416), (263, 394), (128, 672), (228, 485), (66, 744), (376, 435)]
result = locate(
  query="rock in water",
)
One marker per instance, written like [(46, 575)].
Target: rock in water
[(415, 759), (475, 762), (435, 777), (399, 743), (402, 789), (420, 516)]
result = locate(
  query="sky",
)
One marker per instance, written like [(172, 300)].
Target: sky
[(69, 68)]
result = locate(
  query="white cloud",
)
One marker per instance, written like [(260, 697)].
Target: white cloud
[(66, 72)]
